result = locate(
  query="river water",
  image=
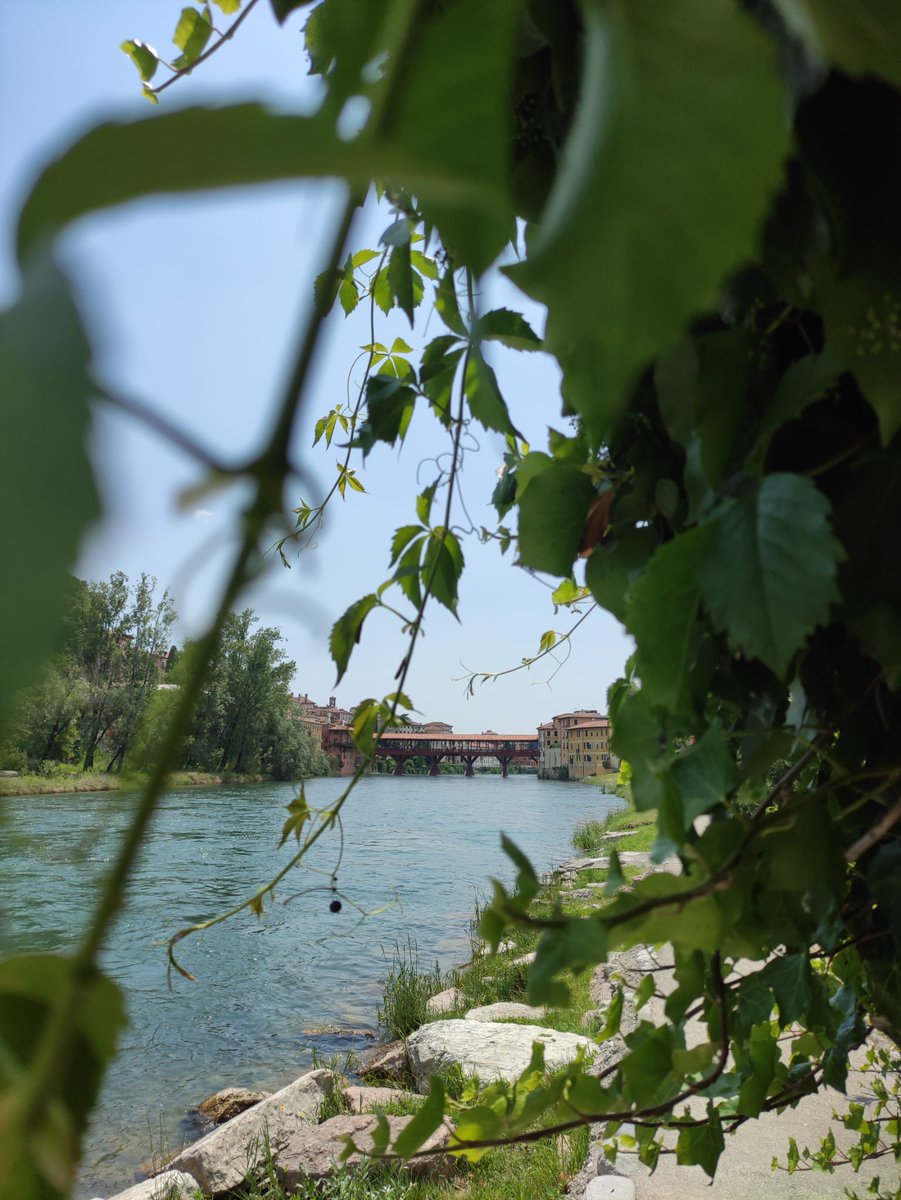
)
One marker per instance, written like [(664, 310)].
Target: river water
[(422, 847)]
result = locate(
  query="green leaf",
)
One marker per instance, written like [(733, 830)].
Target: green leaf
[(437, 372), (768, 578), (446, 304), (552, 512), (666, 635), (400, 279), (484, 397), (143, 56), (580, 943), (362, 257), (397, 234), (191, 35), (425, 265), (348, 294), (282, 9), (763, 1055), (863, 38), (702, 1144), (424, 1123), (879, 630), (346, 632), (402, 538), (389, 408), (424, 503), (666, 173), (442, 566), (704, 773), (198, 148), (805, 382), (299, 812), (789, 978), (39, 1159), (228, 6), (455, 100), (45, 384), (527, 885), (611, 570), (644, 992), (510, 328)]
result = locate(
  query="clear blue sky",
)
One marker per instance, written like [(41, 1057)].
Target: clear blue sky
[(195, 304)]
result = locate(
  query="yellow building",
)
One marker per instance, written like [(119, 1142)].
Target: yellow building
[(573, 745)]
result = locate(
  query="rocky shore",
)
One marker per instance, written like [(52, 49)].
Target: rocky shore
[(299, 1132)]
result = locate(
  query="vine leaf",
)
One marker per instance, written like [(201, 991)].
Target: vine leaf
[(41, 1160), (667, 635), (192, 33), (702, 1144), (508, 327), (463, 85), (552, 511), (862, 38), (664, 178), (484, 397), (425, 1122), (46, 419), (346, 632), (143, 56), (197, 148), (768, 577)]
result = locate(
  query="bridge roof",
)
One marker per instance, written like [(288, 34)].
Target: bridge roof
[(460, 737)]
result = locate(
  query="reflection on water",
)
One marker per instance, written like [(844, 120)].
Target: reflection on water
[(423, 847)]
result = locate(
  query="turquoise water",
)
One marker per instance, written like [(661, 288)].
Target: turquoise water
[(423, 847)]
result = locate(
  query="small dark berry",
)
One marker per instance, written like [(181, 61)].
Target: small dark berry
[(335, 906)]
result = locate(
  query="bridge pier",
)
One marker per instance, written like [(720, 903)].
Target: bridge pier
[(503, 761), (400, 764), (433, 760), (469, 759)]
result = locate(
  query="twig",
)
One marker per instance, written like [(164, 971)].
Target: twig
[(165, 428), (209, 52), (869, 839)]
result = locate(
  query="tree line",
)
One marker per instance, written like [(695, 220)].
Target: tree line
[(107, 694)]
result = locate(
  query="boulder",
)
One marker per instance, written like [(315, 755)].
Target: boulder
[(313, 1151), (170, 1185), (366, 1099), (443, 1002), (489, 1049), (224, 1158), (386, 1062), (524, 959), (505, 1010), (228, 1103)]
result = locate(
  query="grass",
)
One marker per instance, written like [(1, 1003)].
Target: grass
[(407, 988), (74, 780)]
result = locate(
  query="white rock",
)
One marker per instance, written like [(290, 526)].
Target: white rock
[(524, 959), (224, 1158), (489, 1049), (444, 1001), (610, 1187), (174, 1184), (504, 1010)]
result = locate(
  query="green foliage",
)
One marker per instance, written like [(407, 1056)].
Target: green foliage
[(711, 204)]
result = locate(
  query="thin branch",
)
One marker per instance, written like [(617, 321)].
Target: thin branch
[(209, 52), (166, 429), (875, 834)]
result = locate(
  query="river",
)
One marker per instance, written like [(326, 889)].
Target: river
[(422, 847)]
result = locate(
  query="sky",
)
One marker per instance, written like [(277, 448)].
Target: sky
[(195, 304)]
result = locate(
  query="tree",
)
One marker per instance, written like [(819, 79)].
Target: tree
[(241, 723), (712, 197)]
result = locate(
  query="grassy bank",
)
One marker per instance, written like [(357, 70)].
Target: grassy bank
[(80, 781)]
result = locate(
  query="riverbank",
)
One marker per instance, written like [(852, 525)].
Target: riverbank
[(413, 1008), (59, 785)]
